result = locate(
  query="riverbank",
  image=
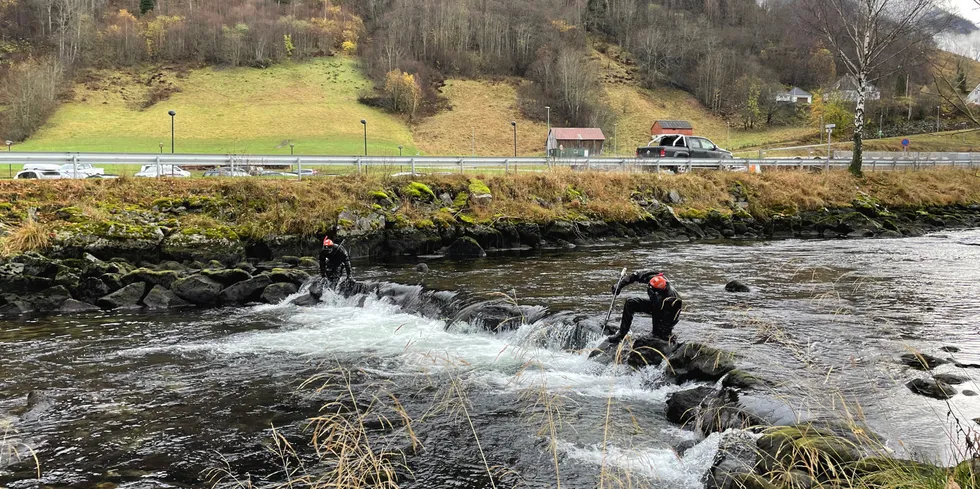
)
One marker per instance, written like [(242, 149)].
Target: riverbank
[(232, 220)]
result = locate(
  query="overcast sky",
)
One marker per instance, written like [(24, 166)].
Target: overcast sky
[(968, 9)]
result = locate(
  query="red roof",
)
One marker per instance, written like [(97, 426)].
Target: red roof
[(578, 133)]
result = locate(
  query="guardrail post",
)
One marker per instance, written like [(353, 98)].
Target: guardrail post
[(358, 165), (506, 166), (874, 163), (826, 166), (588, 163), (413, 167), (460, 162), (159, 168), (299, 170)]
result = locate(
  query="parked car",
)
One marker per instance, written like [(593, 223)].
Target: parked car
[(165, 171), (85, 169), (680, 146), (225, 172), (39, 175)]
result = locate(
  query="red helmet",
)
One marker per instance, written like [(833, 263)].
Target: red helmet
[(659, 282), (327, 242)]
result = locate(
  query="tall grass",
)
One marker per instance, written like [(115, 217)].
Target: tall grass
[(31, 235)]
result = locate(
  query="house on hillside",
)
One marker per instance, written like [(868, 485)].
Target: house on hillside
[(575, 142), (974, 96), (795, 96), (671, 127), (846, 88)]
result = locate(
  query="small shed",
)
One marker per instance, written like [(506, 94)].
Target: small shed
[(672, 127), (575, 141), (795, 96)]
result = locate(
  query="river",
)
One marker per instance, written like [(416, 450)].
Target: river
[(155, 400)]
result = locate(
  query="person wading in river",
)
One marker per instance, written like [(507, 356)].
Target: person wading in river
[(332, 258), (664, 304)]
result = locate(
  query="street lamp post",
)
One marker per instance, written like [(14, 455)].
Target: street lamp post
[(10, 166), (161, 148), (172, 114), (514, 125), (291, 145), (399, 150), (364, 123)]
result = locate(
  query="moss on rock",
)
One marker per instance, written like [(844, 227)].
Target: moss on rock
[(418, 191)]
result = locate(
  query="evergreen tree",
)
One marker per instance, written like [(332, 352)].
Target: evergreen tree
[(960, 81), (146, 6)]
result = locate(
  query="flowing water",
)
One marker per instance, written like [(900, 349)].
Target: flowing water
[(154, 400)]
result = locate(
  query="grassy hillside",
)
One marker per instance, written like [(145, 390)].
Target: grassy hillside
[(486, 107), (242, 110)]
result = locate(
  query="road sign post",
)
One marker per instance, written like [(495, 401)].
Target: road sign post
[(830, 130), (905, 145)]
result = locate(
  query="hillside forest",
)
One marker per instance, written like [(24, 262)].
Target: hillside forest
[(734, 56)]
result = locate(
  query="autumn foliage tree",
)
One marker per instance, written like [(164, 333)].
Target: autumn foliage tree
[(404, 92)]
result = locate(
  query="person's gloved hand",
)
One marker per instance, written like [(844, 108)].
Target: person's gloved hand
[(615, 288)]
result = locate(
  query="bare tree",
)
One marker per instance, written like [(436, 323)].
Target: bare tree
[(867, 35)]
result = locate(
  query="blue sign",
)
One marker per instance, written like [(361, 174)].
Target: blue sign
[(905, 142)]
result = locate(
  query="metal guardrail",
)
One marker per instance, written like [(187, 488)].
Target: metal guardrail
[(418, 164)]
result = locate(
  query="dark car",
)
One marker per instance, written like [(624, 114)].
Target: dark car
[(680, 146)]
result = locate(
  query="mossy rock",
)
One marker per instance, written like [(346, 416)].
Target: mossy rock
[(572, 194), (164, 278), (693, 214), (834, 448), (742, 380), (70, 214), (892, 472), (461, 200), (477, 187), (418, 191), (752, 481)]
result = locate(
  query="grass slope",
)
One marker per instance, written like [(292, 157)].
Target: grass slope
[(486, 107), (241, 110)]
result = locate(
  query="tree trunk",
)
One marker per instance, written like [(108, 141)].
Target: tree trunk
[(858, 159)]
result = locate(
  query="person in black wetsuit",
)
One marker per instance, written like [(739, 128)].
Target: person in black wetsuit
[(332, 257), (664, 304)]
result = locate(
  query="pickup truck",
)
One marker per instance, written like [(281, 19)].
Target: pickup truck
[(679, 146)]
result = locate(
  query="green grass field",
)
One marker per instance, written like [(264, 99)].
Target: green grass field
[(242, 110)]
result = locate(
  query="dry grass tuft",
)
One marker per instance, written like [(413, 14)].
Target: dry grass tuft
[(31, 235)]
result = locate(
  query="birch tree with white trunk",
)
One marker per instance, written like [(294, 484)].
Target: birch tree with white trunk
[(867, 36)]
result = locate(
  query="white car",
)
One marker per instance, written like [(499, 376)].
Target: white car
[(40, 175), (165, 171), (84, 170)]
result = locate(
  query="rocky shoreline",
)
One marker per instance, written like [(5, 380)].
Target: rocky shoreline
[(109, 266)]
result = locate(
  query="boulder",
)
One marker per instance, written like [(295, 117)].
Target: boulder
[(220, 244), (197, 289), (288, 275), (786, 447), (227, 276), (922, 361), (950, 349), (682, 406), (163, 298), (736, 286), (15, 306), (306, 300), (90, 289), (951, 379), (969, 393), (50, 300), (24, 284), (112, 280), (71, 306), (246, 266), (693, 361), (735, 458), (648, 350), (151, 278), (278, 292), (247, 291), (127, 297), (465, 247), (741, 379), (422, 268), (931, 388)]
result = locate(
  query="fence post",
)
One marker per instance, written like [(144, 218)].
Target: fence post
[(299, 169)]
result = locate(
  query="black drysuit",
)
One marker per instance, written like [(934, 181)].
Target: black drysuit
[(331, 259), (663, 305)]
